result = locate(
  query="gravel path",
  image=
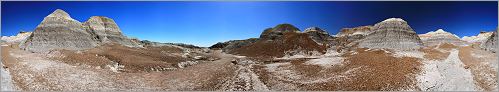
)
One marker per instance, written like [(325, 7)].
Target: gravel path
[(446, 75), (244, 79), (6, 82)]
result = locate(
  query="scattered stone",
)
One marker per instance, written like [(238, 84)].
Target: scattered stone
[(200, 58), (186, 64)]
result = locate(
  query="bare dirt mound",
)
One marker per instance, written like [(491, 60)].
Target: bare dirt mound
[(278, 48)]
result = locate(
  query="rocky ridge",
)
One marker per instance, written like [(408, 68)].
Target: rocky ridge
[(480, 38), (278, 31), (491, 43), (362, 30), (440, 36), (21, 36), (393, 33), (59, 31), (282, 40), (228, 46), (107, 31), (348, 37), (318, 35)]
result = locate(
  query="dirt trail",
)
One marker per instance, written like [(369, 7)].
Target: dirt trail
[(6, 82), (483, 65), (206, 76), (449, 74), (245, 78)]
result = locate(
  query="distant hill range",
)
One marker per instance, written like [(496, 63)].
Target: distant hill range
[(59, 31)]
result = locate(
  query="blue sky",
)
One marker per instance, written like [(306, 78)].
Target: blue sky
[(205, 23)]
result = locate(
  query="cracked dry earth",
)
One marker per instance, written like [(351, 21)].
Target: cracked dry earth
[(454, 69)]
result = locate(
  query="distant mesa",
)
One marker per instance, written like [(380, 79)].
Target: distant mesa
[(440, 36), (362, 30), (392, 33), (319, 36), (229, 46), (478, 39), (287, 40), (20, 37), (281, 40), (348, 38), (59, 31), (277, 31)]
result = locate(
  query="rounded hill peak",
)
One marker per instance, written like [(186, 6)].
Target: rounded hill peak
[(394, 19)]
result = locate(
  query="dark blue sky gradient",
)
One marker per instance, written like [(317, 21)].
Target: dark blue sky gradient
[(205, 23)]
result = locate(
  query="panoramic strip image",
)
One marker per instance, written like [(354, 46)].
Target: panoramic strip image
[(249, 46)]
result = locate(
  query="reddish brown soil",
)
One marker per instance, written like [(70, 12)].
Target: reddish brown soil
[(343, 43), (8, 61), (476, 68), (381, 71), (134, 59), (376, 71), (433, 54), (306, 70), (276, 48), (447, 46), (72, 57)]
